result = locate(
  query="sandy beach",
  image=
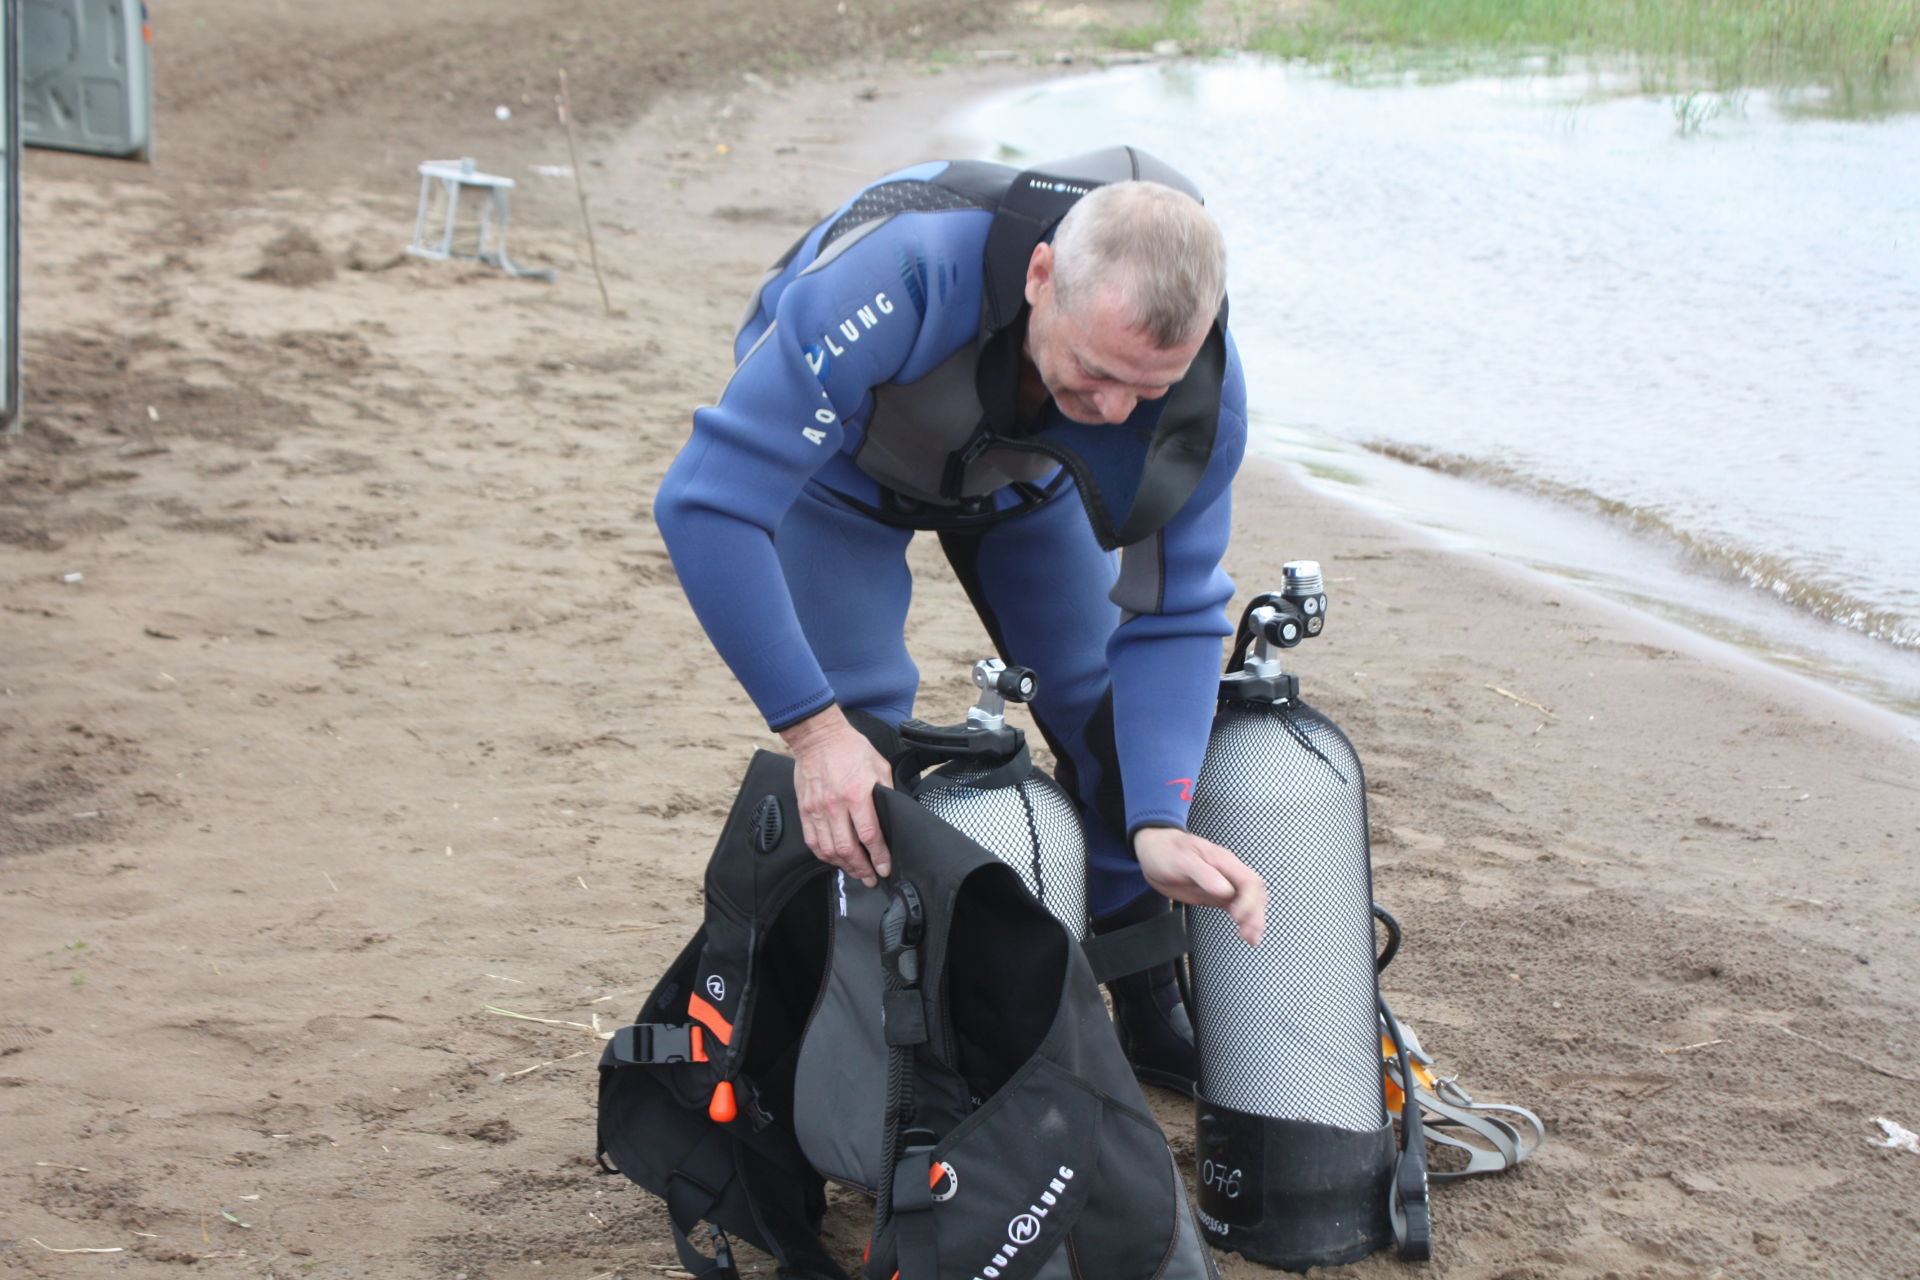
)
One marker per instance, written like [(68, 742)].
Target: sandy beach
[(359, 758)]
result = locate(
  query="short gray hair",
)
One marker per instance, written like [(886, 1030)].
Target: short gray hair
[(1156, 245)]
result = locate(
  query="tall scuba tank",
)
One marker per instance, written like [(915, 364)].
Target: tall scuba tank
[(984, 782), (1296, 1151)]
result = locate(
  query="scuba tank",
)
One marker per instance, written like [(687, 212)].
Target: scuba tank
[(985, 784), (1296, 1151)]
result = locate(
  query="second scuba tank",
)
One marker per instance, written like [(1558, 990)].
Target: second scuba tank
[(1297, 1162), (986, 785)]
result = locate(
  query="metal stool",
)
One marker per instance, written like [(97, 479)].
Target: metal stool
[(482, 236)]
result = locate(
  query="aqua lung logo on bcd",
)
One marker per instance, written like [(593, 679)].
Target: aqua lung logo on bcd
[(946, 1182), (1024, 1228), (716, 986)]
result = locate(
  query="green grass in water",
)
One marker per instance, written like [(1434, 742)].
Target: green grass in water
[(1178, 20), (1865, 52)]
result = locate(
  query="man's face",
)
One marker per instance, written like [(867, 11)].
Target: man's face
[(1094, 363)]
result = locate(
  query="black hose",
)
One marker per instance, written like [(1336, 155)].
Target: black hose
[(1385, 958)]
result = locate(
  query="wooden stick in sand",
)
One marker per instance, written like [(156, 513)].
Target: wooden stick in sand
[(580, 189)]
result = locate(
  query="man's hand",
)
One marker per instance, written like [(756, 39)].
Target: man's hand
[(835, 769), (1190, 869)]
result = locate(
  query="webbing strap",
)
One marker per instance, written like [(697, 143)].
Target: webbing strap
[(1407, 1206), (778, 1206), (1137, 947), (915, 1246), (692, 1192), (1503, 1143), (695, 1263)]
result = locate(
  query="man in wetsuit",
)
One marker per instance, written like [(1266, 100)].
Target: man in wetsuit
[(1034, 366)]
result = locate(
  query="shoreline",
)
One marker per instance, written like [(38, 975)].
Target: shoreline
[(1671, 566), (378, 710), (1828, 668)]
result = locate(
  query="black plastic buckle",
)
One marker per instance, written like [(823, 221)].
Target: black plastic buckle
[(722, 1253), (653, 1043), (901, 928)]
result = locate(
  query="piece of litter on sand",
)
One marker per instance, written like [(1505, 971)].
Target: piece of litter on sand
[(1529, 702), (50, 1249), (536, 1066), (1874, 1067), (594, 1027), (1899, 1137)]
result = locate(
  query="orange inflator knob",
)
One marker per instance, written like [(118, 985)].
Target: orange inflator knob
[(723, 1108)]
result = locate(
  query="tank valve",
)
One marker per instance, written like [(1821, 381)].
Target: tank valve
[(985, 735), (1274, 621), (1299, 611)]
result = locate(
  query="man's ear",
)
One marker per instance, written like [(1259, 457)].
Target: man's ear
[(1039, 272)]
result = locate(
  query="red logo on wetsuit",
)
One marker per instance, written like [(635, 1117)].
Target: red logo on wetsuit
[(1186, 788)]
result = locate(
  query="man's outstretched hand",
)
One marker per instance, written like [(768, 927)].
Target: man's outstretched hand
[(1194, 870), (835, 770)]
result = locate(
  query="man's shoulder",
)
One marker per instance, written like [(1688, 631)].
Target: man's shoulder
[(963, 187)]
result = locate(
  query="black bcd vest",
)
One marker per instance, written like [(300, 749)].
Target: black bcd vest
[(939, 1043)]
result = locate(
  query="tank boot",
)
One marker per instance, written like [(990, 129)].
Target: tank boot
[(1149, 1012)]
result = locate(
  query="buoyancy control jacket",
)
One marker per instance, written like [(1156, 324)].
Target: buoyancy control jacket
[(987, 1108), (939, 441)]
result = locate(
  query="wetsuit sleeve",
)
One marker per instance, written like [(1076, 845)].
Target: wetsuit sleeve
[(781, 417), (1165, 655)]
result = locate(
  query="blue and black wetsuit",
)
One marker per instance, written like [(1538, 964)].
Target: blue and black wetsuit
[(875, 396)]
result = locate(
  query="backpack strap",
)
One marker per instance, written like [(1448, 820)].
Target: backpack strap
[(916, 1249), (693, 1191)]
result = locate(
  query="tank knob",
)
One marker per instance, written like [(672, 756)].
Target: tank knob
[(1015, 684), (1281, 625)]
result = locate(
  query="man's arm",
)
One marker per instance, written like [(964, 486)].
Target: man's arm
[(1165, 660), (1192, 869), (782, 416)]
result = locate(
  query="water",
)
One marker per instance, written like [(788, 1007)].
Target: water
[(1670, 348)]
